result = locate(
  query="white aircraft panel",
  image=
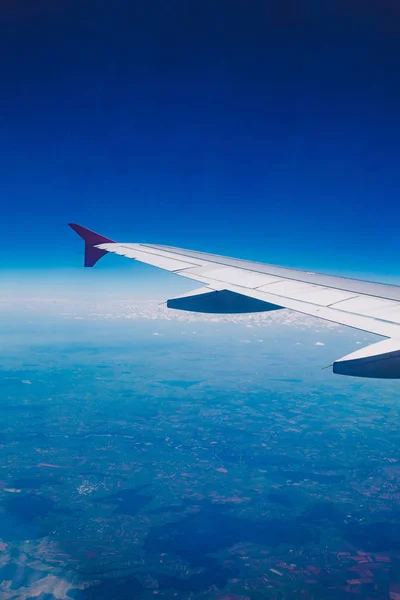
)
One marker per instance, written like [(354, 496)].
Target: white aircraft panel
[(248, 279), (287, 287), (308, 292), (368, 306), (357, 321), (132, 251), (324, 296), (392, 315), (188, 260), (170, 264)]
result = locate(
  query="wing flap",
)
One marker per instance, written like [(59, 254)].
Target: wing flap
[(377, 308), (237, 276), (334, 315), (308, 292)]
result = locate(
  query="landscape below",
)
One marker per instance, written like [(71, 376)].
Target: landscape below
[(203, 460)]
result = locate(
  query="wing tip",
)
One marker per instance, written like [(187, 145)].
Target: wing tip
[(91, 239)]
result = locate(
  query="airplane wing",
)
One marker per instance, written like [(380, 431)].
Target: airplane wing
[(232, 285)]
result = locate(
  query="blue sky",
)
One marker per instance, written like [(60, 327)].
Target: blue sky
[(263, 130)]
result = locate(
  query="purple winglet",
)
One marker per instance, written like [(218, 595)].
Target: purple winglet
[(91, 239)]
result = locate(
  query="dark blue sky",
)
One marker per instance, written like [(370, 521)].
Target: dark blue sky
[(265, 130)]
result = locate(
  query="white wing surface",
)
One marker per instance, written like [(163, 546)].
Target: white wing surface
[(239, 286)]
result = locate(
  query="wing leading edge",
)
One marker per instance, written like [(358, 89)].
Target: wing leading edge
[(238, 286)]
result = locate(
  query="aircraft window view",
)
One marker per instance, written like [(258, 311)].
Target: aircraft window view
[(200, 300)]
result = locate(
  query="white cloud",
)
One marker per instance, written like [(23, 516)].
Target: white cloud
[(319, 344), (121, 307)]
